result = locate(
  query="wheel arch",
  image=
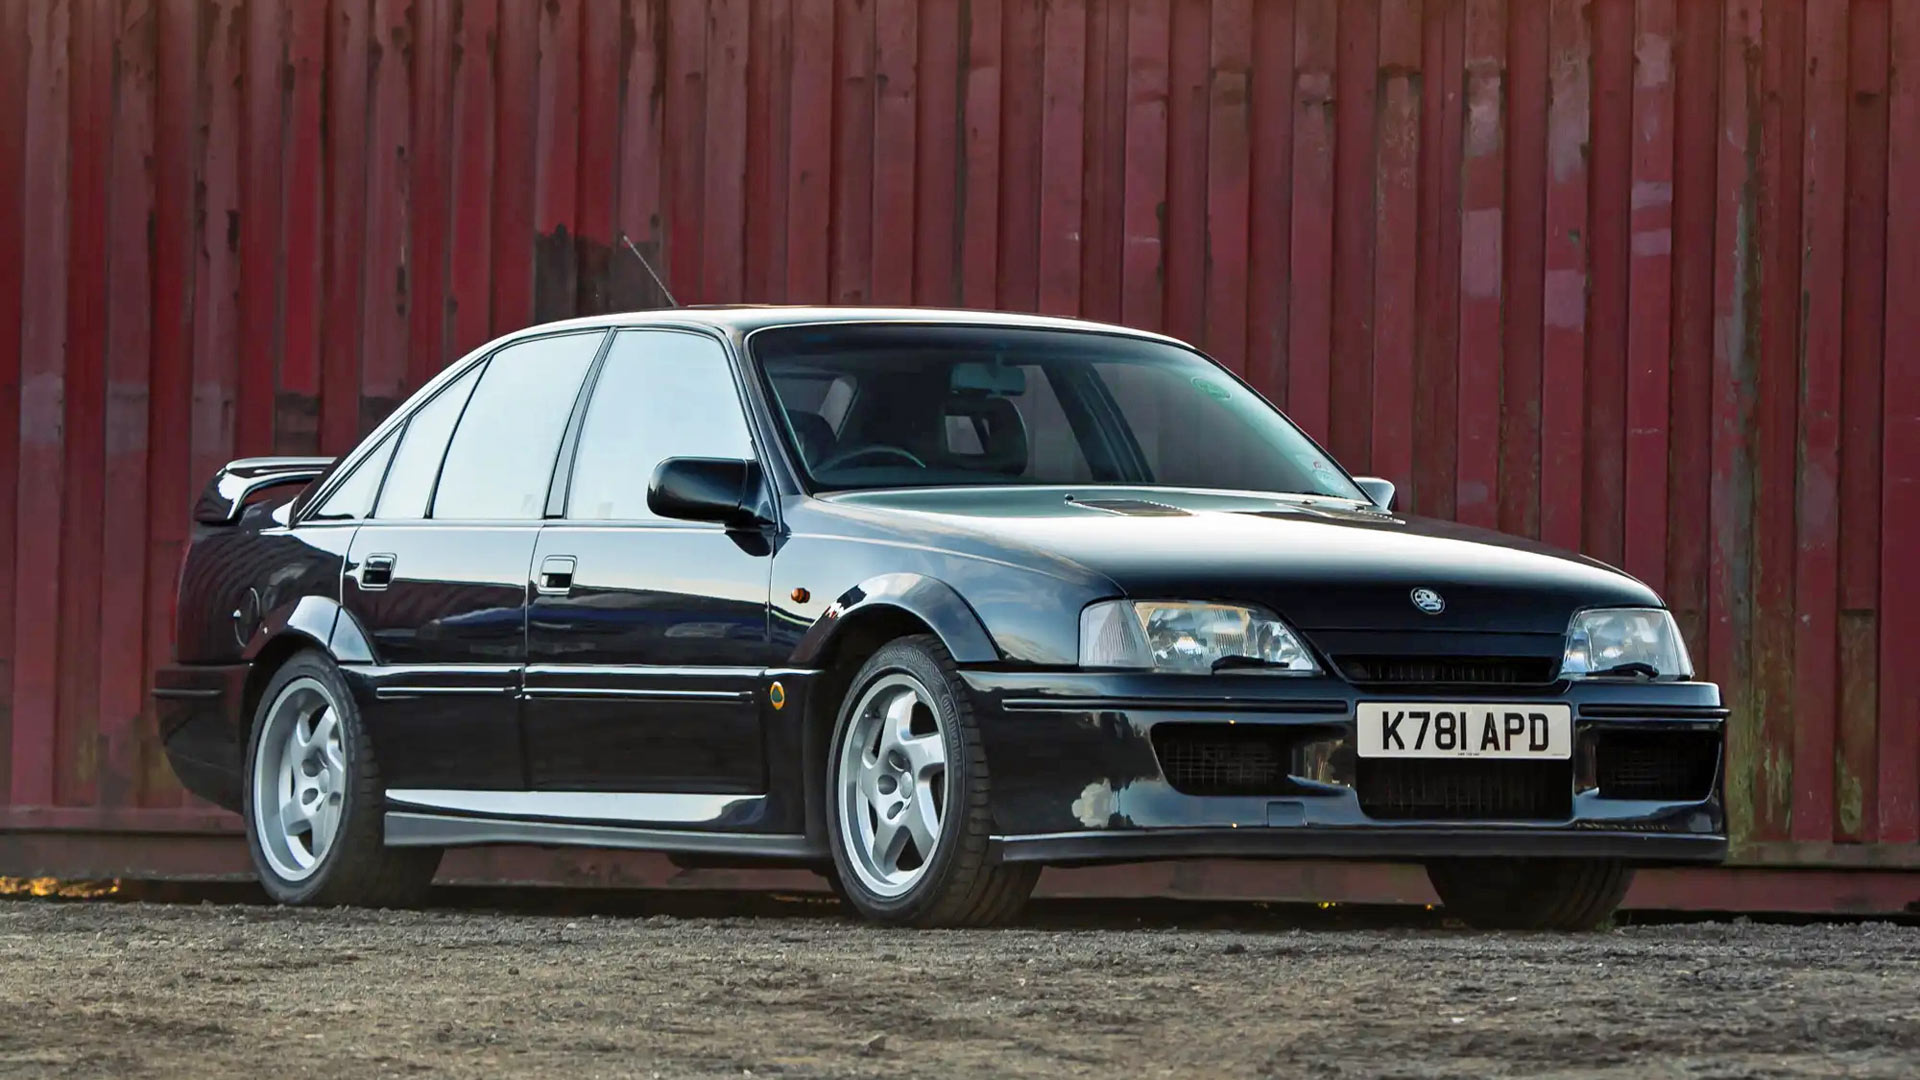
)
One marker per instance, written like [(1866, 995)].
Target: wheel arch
[(310, 622)]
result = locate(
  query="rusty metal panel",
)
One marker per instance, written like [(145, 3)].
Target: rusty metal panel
[(1635, 276)]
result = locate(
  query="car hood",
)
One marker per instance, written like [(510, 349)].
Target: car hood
[(1323, 564)]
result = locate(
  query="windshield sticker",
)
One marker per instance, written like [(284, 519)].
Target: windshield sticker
[(1212, 389)]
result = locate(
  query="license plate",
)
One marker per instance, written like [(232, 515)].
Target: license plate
[(1434, 730)]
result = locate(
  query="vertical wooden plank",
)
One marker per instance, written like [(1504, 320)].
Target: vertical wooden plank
[(1104, 166), (724, 206), (1690, 435), (556, 169), (383, 350), (261, 255), (346, 223), (169, 488), (1482, 231), (1899, 779), (1186, 251), (1735, 321), (980, 167), (13, 124), (895, 92), (1356, 184), (515, 163), (429, 214), (1148, 23), (470, 153), (217, 279), (1310, 315), (1649, 295), (1437, 292), (1817, 572), (1523, 244), (936, 237), (1022, 45), (77, 622), (123, 526), (1396, 242), (1229, 169), (600, 156), (810, 165), (1782, 124), (1062, 140), (769, 70), (1609, 220), (1856, 817), (296, 423), (852, 221), (1270, 244), (1564, 293)]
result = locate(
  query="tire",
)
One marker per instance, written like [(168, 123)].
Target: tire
[(957, 885), (337, 789), (1531, 894)]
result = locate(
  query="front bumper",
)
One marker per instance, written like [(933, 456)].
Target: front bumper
[(1079, 777)]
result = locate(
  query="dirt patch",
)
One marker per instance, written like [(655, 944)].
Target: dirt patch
[(235, 991)]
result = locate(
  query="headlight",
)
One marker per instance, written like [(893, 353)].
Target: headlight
[(1625, 641), (1189, 637)]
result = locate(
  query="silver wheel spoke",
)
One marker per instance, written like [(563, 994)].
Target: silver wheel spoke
[(922, 823), (925, 754), (890, 840), (294, 818), (324, 724)]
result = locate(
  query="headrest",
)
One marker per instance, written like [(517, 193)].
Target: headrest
[(813, 433), (985, 433)]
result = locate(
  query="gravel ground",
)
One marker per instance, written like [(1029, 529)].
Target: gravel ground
[(139, 989)]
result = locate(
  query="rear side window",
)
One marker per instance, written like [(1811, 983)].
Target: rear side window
[(500, 462), (354, 497), (422, 445), (661, 394)]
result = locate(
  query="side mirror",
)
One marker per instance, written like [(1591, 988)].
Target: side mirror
[(725, 490), (1380, 491)]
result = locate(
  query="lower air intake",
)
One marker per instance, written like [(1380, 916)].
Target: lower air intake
[(1415, 789)]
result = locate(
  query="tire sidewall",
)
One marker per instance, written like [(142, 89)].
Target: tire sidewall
[(908, 659), (354, 805)]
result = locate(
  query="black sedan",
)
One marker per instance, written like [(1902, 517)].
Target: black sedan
[(924, 600)]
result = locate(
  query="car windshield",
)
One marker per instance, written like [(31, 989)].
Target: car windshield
[(892, 406)]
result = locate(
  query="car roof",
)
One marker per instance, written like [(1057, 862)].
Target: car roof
[(746, 318)]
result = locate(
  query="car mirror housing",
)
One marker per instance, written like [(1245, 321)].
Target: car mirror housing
[(724, 490), (1380, 491)]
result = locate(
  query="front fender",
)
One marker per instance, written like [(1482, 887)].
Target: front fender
[(930, 600)]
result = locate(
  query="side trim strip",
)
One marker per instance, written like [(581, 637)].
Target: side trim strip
[(388, 693), (649, 807), (1329, 708), (184, 692), (629, 692), (436, 830)]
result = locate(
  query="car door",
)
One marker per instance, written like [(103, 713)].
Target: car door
[(437, 578), (647, 638)]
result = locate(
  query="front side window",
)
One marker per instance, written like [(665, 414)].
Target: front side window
[(935, 406), (661, 394), (422, 445), (500, 462)]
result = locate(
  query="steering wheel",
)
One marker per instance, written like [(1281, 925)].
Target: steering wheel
[(851, 456)]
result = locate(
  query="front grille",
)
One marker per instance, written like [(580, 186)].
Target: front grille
[(1222, 759), (1406, 789), (1450, 670), (1670, 766)]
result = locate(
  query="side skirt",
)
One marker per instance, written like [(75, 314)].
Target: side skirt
[(408, 829)]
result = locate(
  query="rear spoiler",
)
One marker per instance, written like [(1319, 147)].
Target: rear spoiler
[(237, 481)]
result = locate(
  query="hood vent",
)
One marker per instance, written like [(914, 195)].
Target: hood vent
[(1130, 507)]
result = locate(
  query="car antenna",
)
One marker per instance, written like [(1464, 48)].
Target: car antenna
[(671, 302)]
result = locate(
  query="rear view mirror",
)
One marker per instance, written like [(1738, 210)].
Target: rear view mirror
[(1380, 491), (723, 490)]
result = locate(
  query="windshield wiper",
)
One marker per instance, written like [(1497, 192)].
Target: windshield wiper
[(1632, 667)]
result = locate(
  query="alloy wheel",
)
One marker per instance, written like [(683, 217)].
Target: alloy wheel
[(892, 784), (299, 779)]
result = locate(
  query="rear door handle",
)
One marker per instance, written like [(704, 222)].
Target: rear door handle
[(556, 575), (376, 571)]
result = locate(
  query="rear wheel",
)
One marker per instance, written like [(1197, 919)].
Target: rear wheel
[(1531, 894), (907, 798), (314, 800)]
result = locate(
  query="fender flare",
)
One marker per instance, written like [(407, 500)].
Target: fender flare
[(930, 600), (319, 621)]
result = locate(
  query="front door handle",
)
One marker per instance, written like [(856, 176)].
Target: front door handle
[(376, 571), (556, 575)]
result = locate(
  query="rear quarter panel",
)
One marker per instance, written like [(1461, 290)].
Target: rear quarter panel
[(237, 578)]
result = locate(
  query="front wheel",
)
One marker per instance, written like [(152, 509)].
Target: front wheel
[(1531, 894), (314, 799), (907, 797)]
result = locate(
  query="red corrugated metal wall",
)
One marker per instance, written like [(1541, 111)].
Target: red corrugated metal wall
[(1636, 276)]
